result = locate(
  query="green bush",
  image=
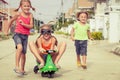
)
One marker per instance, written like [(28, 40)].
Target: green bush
[(97, 35), (3, 37)]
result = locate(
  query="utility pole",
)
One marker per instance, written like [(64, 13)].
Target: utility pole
[(62, 11), (39, 21), (74, 12), (57, 19)]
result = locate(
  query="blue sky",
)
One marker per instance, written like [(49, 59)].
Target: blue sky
[(46, 10)]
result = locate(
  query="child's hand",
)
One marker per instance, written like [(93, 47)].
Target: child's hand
[(21, 22), (43, 51), (72, 38), (91, 39)]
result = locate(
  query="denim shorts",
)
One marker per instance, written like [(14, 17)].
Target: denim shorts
[(81, 47), (21, 39)]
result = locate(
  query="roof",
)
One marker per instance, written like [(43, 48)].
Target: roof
[(85, 4)]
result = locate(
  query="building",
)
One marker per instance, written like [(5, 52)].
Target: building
[(8, 13), (68, 15), (3, 15), (101, 19), (84, 5), (114, 21), (80, 5)]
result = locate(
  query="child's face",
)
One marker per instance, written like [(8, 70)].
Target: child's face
[(46, 32), (83, 18), (25, 7)]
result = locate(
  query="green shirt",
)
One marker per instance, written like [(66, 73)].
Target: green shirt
[(81, 31)]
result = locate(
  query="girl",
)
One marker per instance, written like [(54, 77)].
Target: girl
[(46, 42), (80, 34), (24, 22)]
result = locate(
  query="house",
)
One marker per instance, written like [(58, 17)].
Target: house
[(3, 15), (8, 13), (80, 5), (107, 18), (114, 21), (69, 14), (100, 21), (85, 5)]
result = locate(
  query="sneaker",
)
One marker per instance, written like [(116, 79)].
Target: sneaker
[(41, 66)]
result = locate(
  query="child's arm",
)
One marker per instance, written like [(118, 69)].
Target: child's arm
[(53, 43), (72, 33), (89, 35), (10, 23), (39, 43), (28, 25)]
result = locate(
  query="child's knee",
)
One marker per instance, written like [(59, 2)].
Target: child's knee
[(31, 43), (19, 47), (63, 44)]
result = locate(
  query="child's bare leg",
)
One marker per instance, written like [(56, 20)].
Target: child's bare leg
[(54, 55), (18, 55), (78, 60), (61, 50), (36, 52), (84, 60), (23, 60)]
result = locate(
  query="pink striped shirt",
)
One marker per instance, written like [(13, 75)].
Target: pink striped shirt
[(21, 29)]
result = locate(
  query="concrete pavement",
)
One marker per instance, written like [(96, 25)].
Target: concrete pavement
[(102, 64)]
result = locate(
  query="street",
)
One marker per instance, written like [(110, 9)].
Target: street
[(101, 63)]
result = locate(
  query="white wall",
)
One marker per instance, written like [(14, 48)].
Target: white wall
[(106, 27), (114, 31)]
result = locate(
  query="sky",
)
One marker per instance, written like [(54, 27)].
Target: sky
[(46, 10)]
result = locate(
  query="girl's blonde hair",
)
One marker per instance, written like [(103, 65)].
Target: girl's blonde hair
[(50, 28), (45, 25), (48, 25), (21, 4)]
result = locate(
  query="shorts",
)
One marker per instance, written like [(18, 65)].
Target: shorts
[(81, 47), (21, 39)]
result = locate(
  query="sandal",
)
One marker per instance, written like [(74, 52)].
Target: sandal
[(24, 73), (78, 64), (18, 72), (84, 66), (58, 66)]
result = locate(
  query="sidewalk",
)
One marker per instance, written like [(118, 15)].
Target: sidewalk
[(102, 64)]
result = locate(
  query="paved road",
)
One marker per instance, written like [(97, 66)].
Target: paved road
[(102, 64)]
